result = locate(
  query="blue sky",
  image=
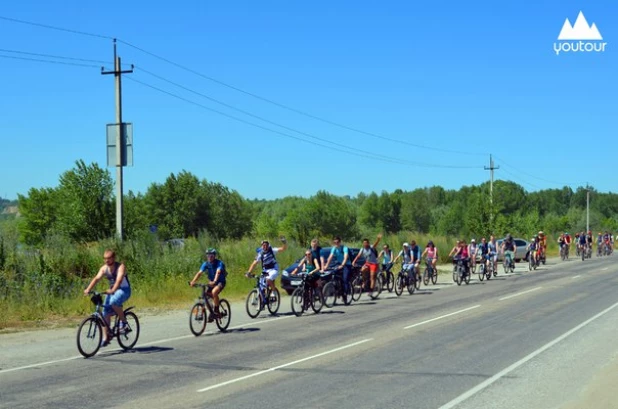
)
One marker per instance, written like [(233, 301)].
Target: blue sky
[(477, 77)]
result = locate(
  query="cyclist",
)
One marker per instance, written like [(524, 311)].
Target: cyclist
[(216, 279), (370, 254), (310, 266), (493, 252), (316, 252), (266, 254), (508, 248), (431, 252), (484, 251), (606, 240), (416, 257), (533, 247), (562, 243), (567, 240), (462, 254), (472, 250), (387, 257), (342, 255), (583, 241), (118, 293), (541, 240), (406, 254)]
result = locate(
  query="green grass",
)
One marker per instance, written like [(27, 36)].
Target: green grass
[(45, 286)]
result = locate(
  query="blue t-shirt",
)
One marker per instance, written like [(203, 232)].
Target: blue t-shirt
[(416, 253), (339, 253), (212, 268)]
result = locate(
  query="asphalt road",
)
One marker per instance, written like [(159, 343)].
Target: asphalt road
[(540, 339)]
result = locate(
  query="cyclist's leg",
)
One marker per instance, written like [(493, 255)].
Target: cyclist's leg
[(116, 301), (373, 271), (273, 273), (215, 294)]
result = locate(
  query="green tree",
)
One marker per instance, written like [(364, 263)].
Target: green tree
[(39, 211)]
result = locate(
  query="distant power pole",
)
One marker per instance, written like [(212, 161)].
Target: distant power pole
[(587, 208), (120, 138), (491, 169)]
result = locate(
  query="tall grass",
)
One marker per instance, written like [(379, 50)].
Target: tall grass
[(37, 285)]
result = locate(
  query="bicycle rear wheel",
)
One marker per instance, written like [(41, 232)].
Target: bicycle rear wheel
[(357, 288), (197, 319), (377, 290), (92, 332), (399, 284), (329, 294), (298, 301), (390, 281), (225, 315), (129, 337), (412, 283), (317, 300), (434, 276), (426, 276)]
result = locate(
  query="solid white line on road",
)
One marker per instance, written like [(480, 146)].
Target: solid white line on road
[(577, 276), (440, 317), (518, 294), (606, 268), (161, 341), (522, 361), (242, 378)]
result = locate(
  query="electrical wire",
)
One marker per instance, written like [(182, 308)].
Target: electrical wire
[(52, 56), (49, 61), (530, 175), (363, 154), (15, 20)]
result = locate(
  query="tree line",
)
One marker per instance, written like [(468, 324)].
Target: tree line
[(81, 208)]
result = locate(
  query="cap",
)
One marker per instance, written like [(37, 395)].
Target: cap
[(406, 244)]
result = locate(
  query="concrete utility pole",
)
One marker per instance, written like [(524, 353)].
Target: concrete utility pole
[(119, 139), (491, 169), (587, 208)]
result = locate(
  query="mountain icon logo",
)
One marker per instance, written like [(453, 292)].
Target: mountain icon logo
[(580, 30)]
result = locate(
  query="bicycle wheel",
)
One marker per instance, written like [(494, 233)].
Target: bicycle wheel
[(390, 281), (417, 280), (399, 284), (253, 305), (426, 276), (459, 273), (329, 294), (197, 319), (434, 276), (317, 300), (357, 288), (225, 315), (412, 284), (377, 290), (129, 337), (297, 300), (274, 301), (467, 277), (481, 272), (92, 332)]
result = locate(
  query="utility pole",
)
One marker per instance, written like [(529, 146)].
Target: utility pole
[(587, 208), (491, 169), (119, 139)]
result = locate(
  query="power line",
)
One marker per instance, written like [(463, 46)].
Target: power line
[(52, 56), (49, 61), (267, 120), (530, 175), (253, 95), (15, 20), (363, 154)]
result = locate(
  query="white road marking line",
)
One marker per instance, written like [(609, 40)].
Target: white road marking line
[(576, 276), (161, 341), (606, 268), (522, 361), (242, 378), (442, 316), (518, 294)]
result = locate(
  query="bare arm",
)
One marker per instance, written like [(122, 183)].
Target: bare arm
[(377, 241), (94, 281), (197, 275)]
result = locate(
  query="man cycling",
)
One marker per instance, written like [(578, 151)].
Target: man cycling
[(493, 252), (266, 254), (567, 240), (341, 254), (472, 250), (408, 259), (118, 293), (370, 254), (541, 241), (562, 244), (583, 240), (508, 248), (533, 248), (216, 279)]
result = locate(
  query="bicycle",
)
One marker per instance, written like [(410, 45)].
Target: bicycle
[(386, 277), (430, 273), (404, 279), (334, 289), (94, 325), (508, 264), (359, 284), (205, 302), (459, 272), (307, 295), (261, 296)]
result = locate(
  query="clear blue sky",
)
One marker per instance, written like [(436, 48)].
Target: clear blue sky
[(474, 76)]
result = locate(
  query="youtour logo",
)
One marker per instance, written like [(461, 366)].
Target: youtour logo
[(579, 37)]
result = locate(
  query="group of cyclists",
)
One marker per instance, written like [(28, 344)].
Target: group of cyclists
[(584, 242), (340, 260)]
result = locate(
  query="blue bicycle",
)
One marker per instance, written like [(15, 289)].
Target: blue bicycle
[(261, 296), (91, 329)]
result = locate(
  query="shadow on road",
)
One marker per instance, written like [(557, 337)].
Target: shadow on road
[(242, 330)]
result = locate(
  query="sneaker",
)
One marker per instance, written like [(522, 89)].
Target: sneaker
[(122, 327), (211, 317), (104, 343)]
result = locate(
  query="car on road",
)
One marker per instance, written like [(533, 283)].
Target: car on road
[(521, 250), (290, 282)]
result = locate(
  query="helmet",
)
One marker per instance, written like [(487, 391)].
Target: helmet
[(566, 233), (473, 241), (406, 244), (541, 233), (211, 251), (533, 239)]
